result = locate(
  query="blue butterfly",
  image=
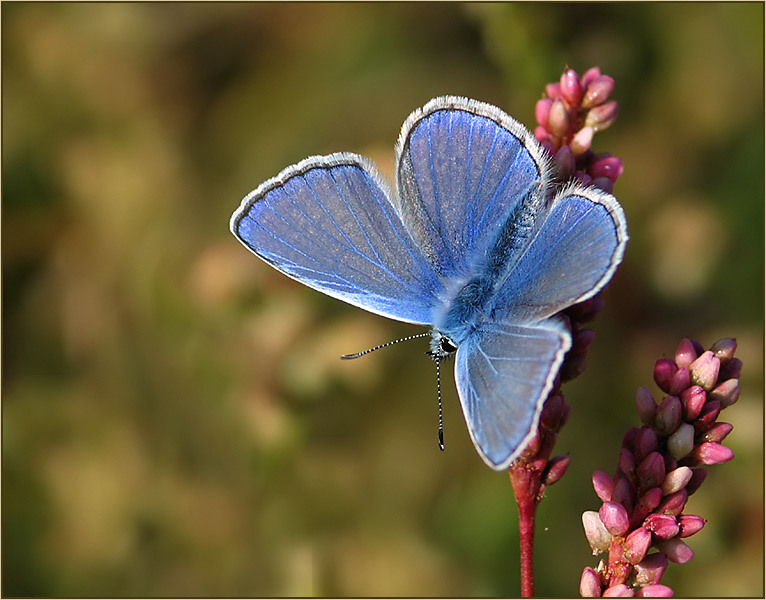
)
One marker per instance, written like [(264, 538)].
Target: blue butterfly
[(475, 241)]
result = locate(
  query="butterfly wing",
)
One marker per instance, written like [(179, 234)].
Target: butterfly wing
[(329, 223), (463, 167), (573, 254), (504, 373)]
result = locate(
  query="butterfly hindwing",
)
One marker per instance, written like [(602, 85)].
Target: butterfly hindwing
[(328, 222), (504, 373), (571, 257)]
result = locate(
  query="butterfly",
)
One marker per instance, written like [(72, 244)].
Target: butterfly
[(476, 240)]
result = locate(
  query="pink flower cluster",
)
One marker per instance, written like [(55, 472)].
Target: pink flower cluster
[(572, 111), (660, 465)]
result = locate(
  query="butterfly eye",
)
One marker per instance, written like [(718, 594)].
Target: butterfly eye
[(447, 346), (441, 346)]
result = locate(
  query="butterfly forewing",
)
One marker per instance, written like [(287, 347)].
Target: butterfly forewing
[(462, 169), (328, 223)]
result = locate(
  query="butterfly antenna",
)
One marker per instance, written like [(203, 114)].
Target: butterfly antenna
[(439, 396), (386, 345)]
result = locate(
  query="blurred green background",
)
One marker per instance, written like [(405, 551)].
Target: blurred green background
[(175, 417)]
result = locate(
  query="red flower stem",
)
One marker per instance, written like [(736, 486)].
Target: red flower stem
[(525, 491)]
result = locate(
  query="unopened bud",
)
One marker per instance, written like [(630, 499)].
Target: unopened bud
[(690, 524), (712, 453), (681, 442), (676, 480), (590, 583), (614, 517), (596, 533), (727, 393), (676, 550), (636, 545), (704, 370), (645, 405)]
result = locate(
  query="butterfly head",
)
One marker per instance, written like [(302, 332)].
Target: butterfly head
[(442, 346)]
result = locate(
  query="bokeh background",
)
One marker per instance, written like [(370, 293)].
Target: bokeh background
[(175, 417)]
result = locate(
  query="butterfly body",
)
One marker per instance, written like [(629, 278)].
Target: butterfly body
[(474, 242)]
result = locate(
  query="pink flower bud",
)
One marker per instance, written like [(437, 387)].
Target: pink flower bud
[(546, 138), (671, 379), (731, 370), (712, 453), (565, 161), (669, 414), (690, 524), (542, 110), (651, 471), (681, 441), (636, 545), (598, 537), (582, 140), (698, 476), (618, 591), (673, 504), (607, 166), (571, 89), (552, 413), (693, 399), (724, 349), (604, 486), (602, 117), (582, 340), (558, 119), (590, 583), (680, 381), (663, 527), (726, 393), (645, 405), (676, 480), (708, 415), (597, 91), (586, 310), (704, 370), (650, 499), (664, 369), (589, 76), (655, 590), (583, 178), (629, 439), (718, 432), (623, 493), (650, 570), (645, 443), (626, 463), (614, 517), (603, 183), (676, 550), (555, 470), (685, 353), (553, 90), (533, 447)]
